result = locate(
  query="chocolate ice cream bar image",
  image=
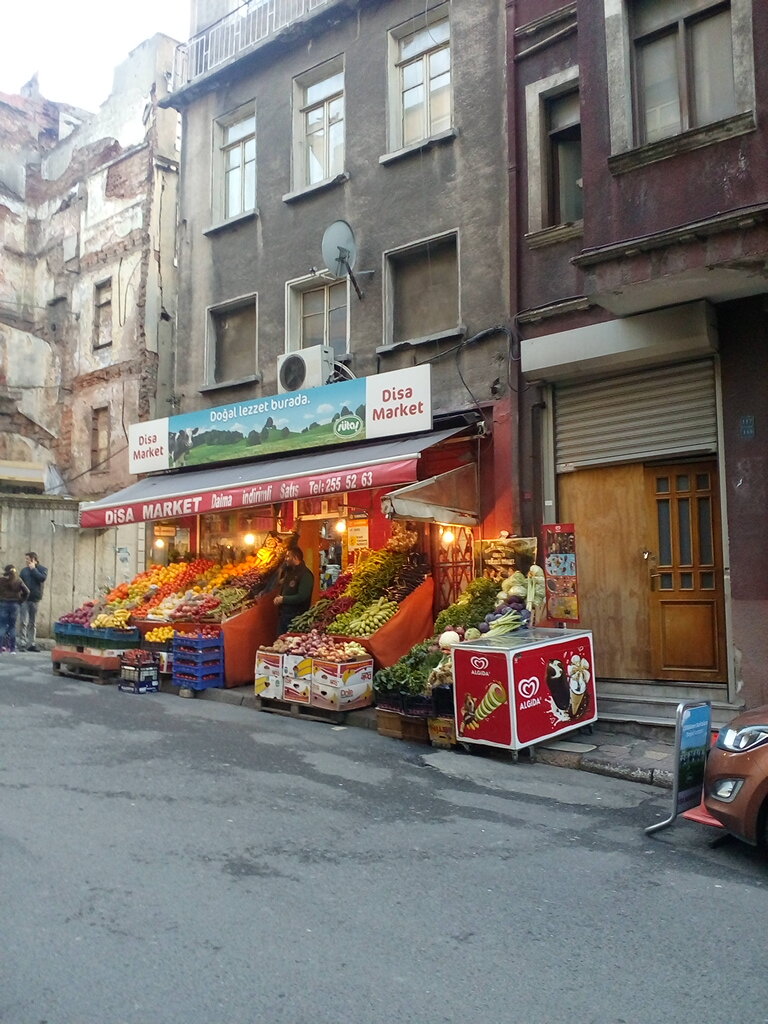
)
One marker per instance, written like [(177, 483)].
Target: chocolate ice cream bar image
[(557, 682)]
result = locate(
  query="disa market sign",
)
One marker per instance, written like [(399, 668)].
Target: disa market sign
[(383, 405)]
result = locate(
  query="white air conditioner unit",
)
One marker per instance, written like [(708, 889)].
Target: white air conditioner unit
[(308, 368)]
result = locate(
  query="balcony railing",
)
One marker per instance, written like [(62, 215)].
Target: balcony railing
[(252, 23)]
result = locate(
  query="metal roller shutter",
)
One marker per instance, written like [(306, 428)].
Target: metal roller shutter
[(668, 410)]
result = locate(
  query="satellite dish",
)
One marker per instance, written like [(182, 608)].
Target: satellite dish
[(339, 248)]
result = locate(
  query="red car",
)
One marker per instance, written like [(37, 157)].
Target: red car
[(736, 777)]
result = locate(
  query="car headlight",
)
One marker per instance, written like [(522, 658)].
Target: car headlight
[(748, 738)]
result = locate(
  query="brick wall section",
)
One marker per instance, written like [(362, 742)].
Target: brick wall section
[(129, 177)]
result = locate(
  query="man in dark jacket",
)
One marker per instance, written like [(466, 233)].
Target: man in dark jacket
[(296, 586), (34, 576)]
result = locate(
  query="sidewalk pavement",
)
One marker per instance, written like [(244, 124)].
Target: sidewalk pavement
[(635, 753), (646, 756)]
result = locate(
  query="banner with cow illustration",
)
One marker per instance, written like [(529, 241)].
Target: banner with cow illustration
[(383, 405)]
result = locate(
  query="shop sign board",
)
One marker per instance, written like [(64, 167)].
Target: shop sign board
[(262, 493), (500, 557), (693, 729), (364, 409), (561, 579)]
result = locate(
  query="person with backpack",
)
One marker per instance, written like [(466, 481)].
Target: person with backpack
[(33, 575)]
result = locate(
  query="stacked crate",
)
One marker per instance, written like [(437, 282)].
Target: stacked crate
[(198, 661)]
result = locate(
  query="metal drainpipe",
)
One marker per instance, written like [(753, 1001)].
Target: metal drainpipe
[(513, 199)]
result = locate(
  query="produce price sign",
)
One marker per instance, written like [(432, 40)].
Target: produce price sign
[(560, 572), (503, 556)]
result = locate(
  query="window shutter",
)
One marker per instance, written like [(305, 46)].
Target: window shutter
[(665, 411)]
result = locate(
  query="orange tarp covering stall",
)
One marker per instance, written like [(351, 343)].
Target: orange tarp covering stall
[(243, 635), (412, 624)]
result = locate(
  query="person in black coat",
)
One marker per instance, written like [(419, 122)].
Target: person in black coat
[(34, 576), (296, 585)]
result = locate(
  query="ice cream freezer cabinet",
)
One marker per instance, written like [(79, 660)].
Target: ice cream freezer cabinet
[(525, 687)]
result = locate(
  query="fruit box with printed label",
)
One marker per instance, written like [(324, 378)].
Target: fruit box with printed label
[(268, 681), (342, 685), (297, 678)]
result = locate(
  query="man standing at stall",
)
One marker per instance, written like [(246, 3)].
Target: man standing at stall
[(296, 586), (34, 576)]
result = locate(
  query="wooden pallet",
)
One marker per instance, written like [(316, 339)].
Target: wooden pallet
[(101, 670), (289, 709)]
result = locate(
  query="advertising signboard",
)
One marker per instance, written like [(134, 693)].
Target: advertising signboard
[(384, 405), (693, 728), (560, 572)]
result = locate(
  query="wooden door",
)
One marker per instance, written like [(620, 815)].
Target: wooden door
[(607, 507), (685, 573)]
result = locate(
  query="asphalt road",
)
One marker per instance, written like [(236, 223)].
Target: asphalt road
[(169, 861)]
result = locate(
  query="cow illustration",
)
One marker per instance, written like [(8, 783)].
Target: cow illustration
[(179, 444)]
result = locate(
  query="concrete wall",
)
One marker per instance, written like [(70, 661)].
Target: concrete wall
[(460, 185), (82, 564)]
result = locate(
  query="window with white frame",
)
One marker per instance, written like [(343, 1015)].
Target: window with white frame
[(318, 314), (675, 67), (683, 65), (420, 87), (423, 281), (564, 199), (235, 168), (232, 340), (319, 124)]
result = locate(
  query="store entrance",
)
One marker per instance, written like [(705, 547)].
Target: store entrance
[(650, 573)]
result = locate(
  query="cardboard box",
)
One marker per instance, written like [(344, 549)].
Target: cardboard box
[(342, 685), (297, 678), (269, 675)]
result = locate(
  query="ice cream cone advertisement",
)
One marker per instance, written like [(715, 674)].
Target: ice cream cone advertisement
[(521, 689), (556, 688), (481, 688)]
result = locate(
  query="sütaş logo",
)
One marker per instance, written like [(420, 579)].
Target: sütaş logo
[(528, 687), (479, 664), (348, 426)]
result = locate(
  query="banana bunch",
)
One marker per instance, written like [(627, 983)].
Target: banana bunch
[(113, 620), (372, 617)]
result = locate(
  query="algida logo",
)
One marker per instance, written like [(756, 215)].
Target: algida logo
[(348, 426)]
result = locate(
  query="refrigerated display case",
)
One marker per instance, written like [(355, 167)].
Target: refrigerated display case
[(521, 688)]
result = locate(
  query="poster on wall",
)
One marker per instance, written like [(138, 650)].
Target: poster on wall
[(560, 572), (500, 557), (357, 537)]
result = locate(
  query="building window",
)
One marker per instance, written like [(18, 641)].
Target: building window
[(421, 96), (675, 68), (102, 314), (235, 166), (684, 74), (564, 158), (424, 290), (319, 124), (99, 438), (318, 315), (553, 151), (232, 341)]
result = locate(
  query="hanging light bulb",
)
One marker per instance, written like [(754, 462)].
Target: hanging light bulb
[(448, 536), (249, 540), (159, 543), (341, 526)]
